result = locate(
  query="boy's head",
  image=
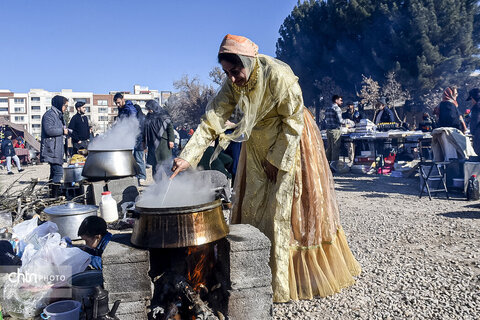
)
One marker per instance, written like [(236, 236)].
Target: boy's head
[(92, 230)]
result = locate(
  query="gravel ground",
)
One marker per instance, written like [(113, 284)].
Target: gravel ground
[(420, 258)]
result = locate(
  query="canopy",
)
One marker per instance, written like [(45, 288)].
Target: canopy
[(32, 142)]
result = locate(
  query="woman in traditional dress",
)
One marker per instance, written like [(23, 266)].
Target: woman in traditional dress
[(283, 186)]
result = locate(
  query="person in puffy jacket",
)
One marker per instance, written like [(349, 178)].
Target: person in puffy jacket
[(51, 149), (9, 152)]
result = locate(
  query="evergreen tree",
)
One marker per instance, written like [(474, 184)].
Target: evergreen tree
[(429, 44)]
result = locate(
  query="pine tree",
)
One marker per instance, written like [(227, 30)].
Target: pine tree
[(429, 44)]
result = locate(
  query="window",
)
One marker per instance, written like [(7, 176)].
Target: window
[(3, 109), (19, 100), (86, 100), (102, 102), (35, 108), (36, 126), (36, 117), (103, 118), (19, 110), (19, 119), (87, 109), (35, 99), (48, 107), (102, 110), (3, 100)]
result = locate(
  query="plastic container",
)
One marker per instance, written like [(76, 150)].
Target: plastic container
[(108, 207), (473, 188), (62, 310)]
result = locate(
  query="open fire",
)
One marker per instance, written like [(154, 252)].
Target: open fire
[(187, 284)]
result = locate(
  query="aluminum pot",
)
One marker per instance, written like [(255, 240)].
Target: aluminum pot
[(68, 217), (176, 227), (110, 164), (83, 285), (72, 174)]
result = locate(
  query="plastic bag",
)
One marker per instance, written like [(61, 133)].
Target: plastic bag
[(42, 267), (24, 228), (5, 220)]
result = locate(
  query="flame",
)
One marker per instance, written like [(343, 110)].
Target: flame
[(196, 277)]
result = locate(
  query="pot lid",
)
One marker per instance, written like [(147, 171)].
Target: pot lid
[(70, 208)]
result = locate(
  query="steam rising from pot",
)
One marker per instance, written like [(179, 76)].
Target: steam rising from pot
[(122, 135), (186, 189)]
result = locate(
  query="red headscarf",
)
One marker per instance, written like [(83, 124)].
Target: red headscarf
[(448, 96)]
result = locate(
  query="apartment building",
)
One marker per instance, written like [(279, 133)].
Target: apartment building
[(27, 108)]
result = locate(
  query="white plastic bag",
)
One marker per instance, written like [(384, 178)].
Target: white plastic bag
[(24, 228)]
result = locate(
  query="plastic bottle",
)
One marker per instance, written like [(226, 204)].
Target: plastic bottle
[(108, 207), (473, 188)]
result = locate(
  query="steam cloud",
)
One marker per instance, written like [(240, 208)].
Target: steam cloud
[(186, 189), (122, 135)]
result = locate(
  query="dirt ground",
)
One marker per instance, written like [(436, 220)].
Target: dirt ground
[(420, 258)]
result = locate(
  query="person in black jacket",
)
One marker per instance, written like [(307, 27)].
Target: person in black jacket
[(448, 111), (474, 97), (80, 128), (159, 137), (51, 148), (9, 152), (384, 113), (351, 113)]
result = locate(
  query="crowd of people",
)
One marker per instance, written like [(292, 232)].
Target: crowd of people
[(446, 115)]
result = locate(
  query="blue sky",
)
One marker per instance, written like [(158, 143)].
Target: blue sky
[(109, 45)]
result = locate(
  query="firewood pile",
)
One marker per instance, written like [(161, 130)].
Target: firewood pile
[(24, 203)]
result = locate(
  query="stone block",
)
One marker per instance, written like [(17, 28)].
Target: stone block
[(131, 310), (121, 250), (250, 269), (123, 190), (253, 303), (125, 270), (244, 237)]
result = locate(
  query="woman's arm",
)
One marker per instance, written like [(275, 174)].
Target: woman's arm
[(290, 109)]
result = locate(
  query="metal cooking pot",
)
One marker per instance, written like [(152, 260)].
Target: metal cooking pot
[(83, 285), (68, 217), (110, 164), (72, 174), (176, 227)]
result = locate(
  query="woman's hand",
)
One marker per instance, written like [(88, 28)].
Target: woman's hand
[(170, 145), (179, 165), (270, 170)]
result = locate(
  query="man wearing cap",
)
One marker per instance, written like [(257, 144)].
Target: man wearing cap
[(9, 152), (384, 113), (474, 97), (80, 128)]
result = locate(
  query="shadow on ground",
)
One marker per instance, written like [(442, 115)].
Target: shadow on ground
[(377, 184), (461, 214)]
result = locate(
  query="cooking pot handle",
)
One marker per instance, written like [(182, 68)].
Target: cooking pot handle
[(135, 214)]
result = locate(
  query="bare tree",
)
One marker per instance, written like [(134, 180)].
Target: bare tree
[(394, 93), (188, 104), (217, 75), (369, 93)]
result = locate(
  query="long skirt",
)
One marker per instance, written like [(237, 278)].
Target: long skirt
[(318, 261)]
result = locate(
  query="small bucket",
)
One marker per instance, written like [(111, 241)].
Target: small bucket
[(62, 310)]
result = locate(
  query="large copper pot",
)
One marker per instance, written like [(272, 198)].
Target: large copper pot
[(177, 227), (109, 164)]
